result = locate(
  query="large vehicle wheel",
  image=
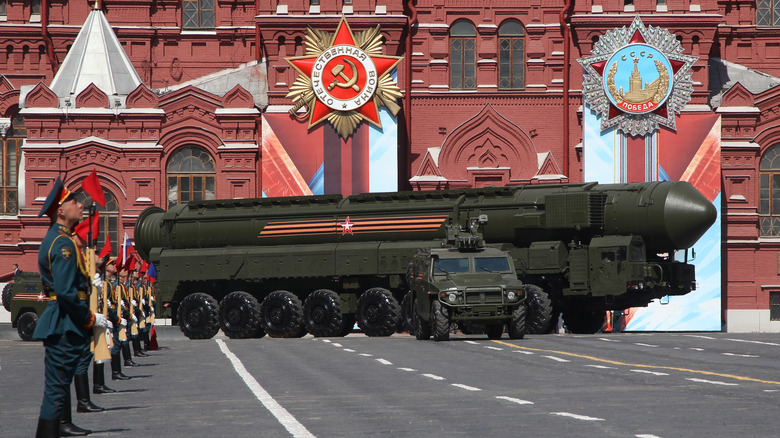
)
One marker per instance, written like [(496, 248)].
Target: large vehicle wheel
[(198, 316), (518, 324), (407, 313), (282, 314), (25, 325), (440, 321), (539, 310), (422, 328), (7, 296), (584, 322), (239, 315), (377, 312), (322, 313), (494, 331)]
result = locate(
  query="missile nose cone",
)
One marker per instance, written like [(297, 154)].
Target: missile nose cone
[(688, 215)]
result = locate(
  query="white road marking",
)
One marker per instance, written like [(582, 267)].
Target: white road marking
[(602, 367), (349, 350), (336, 344), (608, 340), (557, 359), (514, 400), (771, 390), (740, 355), (714, 382), (576, 416), (326, 340), (489, 347), (407, 369), (288, 421), (647, 435), (754, 342), (433, 376), (645, 345), (384, 362), (524, 352), (472, 342), (366, 354), (700, 336), (697, 349), (655, 373), (466, 387)]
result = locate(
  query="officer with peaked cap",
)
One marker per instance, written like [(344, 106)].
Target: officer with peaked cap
[(66, 325)]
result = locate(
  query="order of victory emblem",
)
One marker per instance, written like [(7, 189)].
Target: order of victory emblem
[(637, 79), (344, 79)]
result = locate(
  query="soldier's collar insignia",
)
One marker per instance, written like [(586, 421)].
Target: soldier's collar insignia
[(637, 79), (344, 79)]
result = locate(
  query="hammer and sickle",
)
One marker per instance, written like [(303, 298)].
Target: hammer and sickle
[(338, 72)]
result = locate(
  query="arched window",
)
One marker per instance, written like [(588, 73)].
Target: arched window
[(10, 154), (463, 56), (190, 175), (511, 55), (109, 221), (769, 196), (767, 13), (198, 14)]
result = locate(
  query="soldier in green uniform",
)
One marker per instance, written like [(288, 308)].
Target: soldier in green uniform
[(117, 306), (66, 325)]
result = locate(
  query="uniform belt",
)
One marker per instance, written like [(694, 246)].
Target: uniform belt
[(82, 295)]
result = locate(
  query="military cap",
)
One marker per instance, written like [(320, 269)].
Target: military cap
[(58, 195)]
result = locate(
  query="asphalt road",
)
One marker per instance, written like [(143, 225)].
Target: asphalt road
[(613, 385)]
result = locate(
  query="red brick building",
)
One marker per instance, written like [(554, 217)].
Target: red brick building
[(492, 96)]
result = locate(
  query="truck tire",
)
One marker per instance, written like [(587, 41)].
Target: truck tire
[(239, 315), (539, 310), (584, 322), (518, 324), (422, 328), (440, 321), (198, 316), (377, 312), (322, 314), (494, 331), (407, 312), (282, 314), (25, 325), (7, 296)]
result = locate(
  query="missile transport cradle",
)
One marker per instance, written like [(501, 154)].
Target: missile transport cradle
[(285, 266)]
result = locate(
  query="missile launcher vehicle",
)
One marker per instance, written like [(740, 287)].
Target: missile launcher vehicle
[(285, 266)]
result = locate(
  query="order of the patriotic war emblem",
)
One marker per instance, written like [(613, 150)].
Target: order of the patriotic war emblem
[(637, 79), (344, 79)]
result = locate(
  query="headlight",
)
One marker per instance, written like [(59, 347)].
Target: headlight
[(511, 295), (452, 298)]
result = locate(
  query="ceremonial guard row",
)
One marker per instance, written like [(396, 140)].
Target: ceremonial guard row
[(92, 315)]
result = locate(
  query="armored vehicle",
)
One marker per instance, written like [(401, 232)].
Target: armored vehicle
[(284, 266), (449, 286), (26, 301)]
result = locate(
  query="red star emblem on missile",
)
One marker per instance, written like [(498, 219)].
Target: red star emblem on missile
[(344, 77), (346, 226)]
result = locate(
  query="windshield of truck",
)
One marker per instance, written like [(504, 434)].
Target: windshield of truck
[(451, 265), (491, 264)]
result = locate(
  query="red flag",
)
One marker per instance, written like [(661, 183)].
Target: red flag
[(131, 264), (106, 248), (91, 185), (83, 228), (144, 267)]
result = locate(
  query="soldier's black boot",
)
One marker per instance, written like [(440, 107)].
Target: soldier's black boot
[(128, 357), (137, 348), (83, 403), (116, 368), (99, 380), (146, 341), (67, 428), (48, 428)]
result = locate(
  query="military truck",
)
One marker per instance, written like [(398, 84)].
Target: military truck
[(477, 286), (287, 265), (26, 301)]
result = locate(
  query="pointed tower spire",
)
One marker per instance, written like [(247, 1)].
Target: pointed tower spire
[(96, 57)]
